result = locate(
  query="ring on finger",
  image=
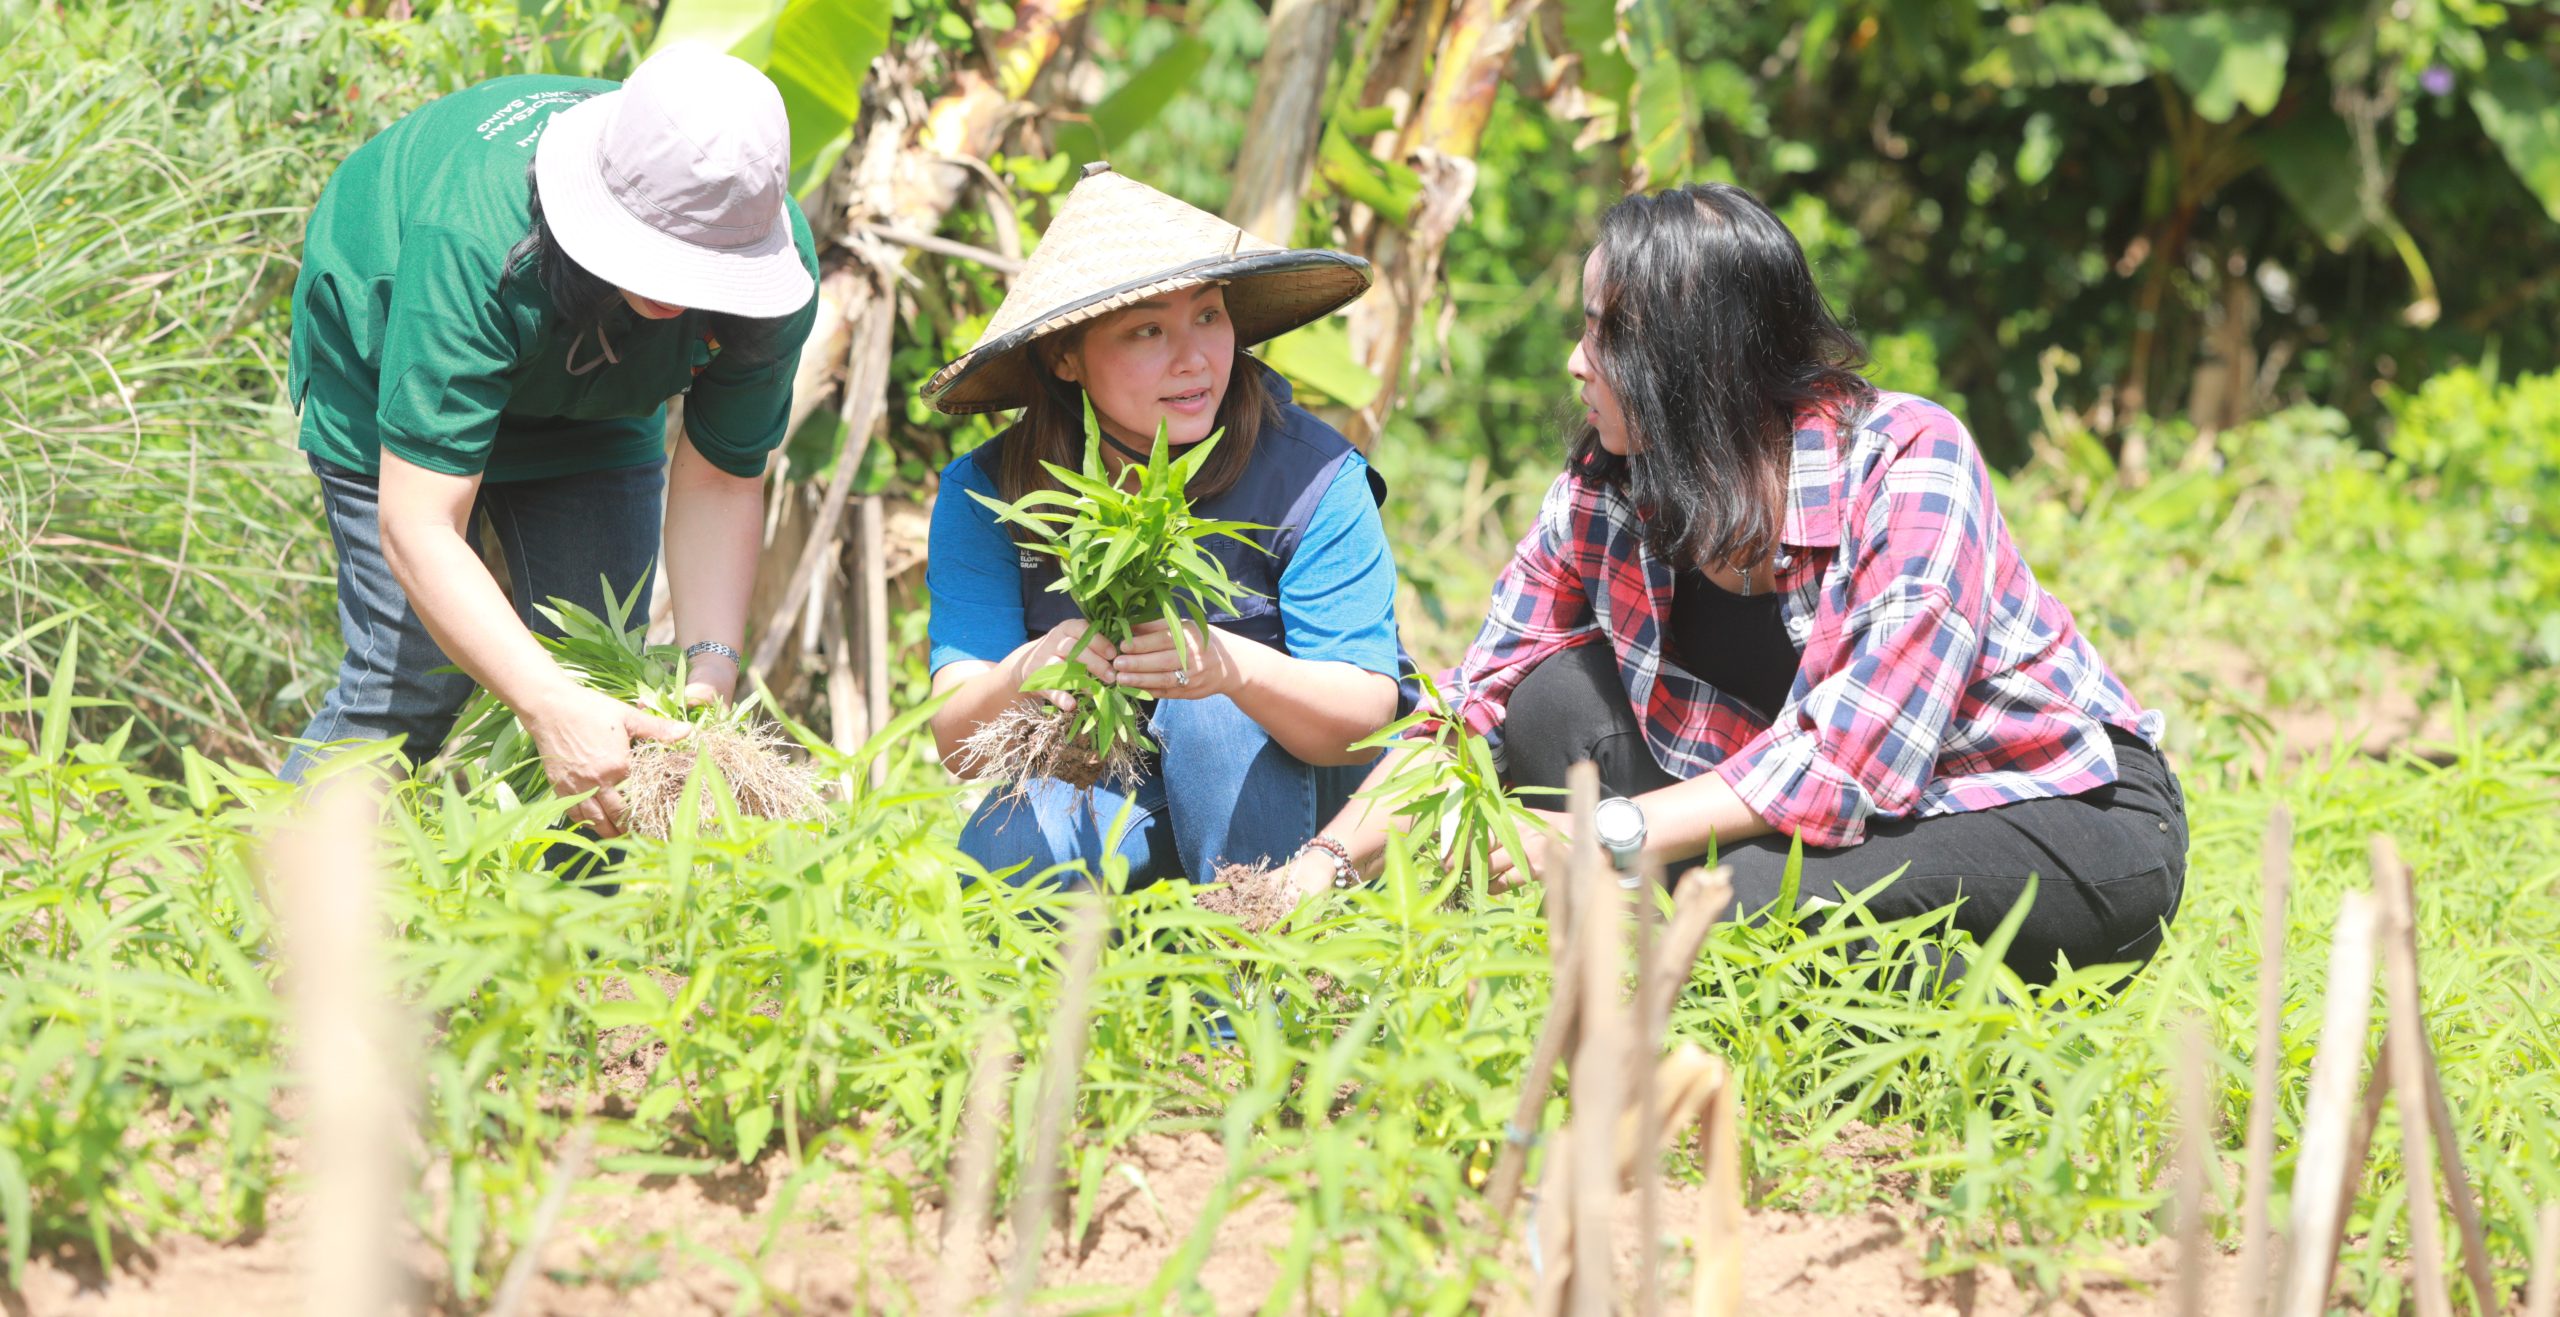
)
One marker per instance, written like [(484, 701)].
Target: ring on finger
[(1182, 676)]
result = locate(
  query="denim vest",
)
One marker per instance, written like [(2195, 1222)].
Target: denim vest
[(1294, 461)]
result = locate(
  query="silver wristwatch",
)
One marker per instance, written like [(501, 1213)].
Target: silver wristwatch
[(1620, 822)]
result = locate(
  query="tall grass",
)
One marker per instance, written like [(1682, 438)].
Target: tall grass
[(155, 165)]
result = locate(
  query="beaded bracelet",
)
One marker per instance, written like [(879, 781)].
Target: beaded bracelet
[(1346, 875)]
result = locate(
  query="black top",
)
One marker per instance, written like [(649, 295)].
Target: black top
[(1735, 643)]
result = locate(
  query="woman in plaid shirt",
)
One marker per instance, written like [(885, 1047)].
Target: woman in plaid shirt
[(1774, 603)]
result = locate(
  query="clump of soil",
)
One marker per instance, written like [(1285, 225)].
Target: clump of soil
[(754, 759), (1254, 896), (1028, 742)]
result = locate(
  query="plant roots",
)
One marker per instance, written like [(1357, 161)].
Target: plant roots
[(1028, 742), (763, 777)]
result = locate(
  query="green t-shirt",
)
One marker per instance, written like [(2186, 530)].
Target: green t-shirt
[(409, 332)]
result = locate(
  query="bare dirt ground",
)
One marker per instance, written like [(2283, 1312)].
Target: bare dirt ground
[(632, 1246)]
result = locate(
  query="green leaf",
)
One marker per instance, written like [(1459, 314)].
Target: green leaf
[(1591, 31), (1318, 357), (1134, 104), (2060, 45), (1114, 559), (1662, 115), (1059, 677), (1660, 104), (56, 735), (1012, 513), (755, 1124), (2312, 159), (656, 1107), (821, 50), (743, 28), (2038, 152), (2518, 102), (1194, 458), (2224, 59), (17, 1210), (1390, 189), (621, 1014)]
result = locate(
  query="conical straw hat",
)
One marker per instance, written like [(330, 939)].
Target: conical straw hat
[(1116, 241)]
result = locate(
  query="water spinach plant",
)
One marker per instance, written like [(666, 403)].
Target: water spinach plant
[(750, 753), (1130, 551)]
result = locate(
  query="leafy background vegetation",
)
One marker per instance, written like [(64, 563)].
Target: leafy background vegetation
[(2253, 305)]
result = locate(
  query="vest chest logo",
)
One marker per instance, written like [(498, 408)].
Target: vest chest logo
[(1026, 559)]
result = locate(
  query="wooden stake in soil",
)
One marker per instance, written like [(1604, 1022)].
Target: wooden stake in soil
[(2476, 1267), (973, 1172), (1600, 1059), (354, 1049), (2195, 1138), (1065, 1062), (2408, 1032), (2275, 882), (1555, 1034), (871, 619), (1642, 1048), (1719, 1292), (2322, 1178), (2377, 1091), (847, 727), (1695, 906), (2542, 1298)]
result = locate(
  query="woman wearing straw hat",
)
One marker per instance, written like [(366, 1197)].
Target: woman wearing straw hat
[(498, 295), (1145, 306)]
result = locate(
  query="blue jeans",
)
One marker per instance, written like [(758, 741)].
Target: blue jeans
[(561, 537), (1221, 791)]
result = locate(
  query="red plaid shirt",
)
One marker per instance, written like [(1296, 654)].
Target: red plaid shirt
[(1938, 677)]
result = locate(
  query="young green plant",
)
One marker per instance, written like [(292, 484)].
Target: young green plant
[(611, 655), (1130, 552)]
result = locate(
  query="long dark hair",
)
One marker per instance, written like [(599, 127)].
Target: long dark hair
[(1714, 339), (586, 303), (1052, 424)]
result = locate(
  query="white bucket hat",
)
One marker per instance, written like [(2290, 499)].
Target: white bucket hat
[(1115, 241), (674, 186)]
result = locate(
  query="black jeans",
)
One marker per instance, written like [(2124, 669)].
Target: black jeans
[(2111, 862)]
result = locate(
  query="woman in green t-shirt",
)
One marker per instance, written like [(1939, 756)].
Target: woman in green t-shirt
[(498, 296)]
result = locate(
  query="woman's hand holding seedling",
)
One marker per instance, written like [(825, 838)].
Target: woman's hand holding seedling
[(1068, 640), (584, 737), (1130, 553), (1541, 848), (1194, 664)]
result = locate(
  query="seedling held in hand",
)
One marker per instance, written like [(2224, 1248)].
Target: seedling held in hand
[(1129, 552)]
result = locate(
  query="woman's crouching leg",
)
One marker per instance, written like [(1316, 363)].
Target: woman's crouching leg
[(1057, 835), (1235, 795)]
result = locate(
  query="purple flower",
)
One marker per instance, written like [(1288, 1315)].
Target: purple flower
[(2438, 80)]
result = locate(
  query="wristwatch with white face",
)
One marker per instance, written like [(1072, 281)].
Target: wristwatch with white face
[(1621, 825)]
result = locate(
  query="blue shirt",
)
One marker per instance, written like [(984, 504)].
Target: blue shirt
[(1337, 592)]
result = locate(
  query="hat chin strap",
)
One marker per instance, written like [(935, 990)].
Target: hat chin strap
[(1123, 449)]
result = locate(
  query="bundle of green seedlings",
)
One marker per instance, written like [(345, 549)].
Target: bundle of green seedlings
[(609, 654), (1129, 552), (1451, 810)]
